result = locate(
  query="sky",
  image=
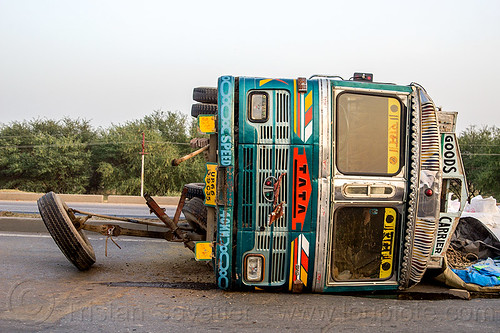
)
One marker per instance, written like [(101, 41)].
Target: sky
[(112, 61)]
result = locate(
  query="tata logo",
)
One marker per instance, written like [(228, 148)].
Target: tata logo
[(268, 188), (301, 187)]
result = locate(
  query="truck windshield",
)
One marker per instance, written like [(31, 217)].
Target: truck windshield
[(368, 134)]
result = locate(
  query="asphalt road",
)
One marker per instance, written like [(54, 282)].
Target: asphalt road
[(121, 210), (156, 286)]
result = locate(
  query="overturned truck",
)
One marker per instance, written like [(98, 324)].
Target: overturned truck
[(319, 184)]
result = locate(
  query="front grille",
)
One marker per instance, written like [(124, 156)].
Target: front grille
[(426, 223), (280, 241), (272, 161), (282, 117), (247, 189), (266, 133), (269, 158), (277, 128), (430, 138), (259, 163), (263, 241)]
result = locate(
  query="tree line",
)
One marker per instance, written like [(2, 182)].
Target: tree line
[(480, 149), (70, 156)]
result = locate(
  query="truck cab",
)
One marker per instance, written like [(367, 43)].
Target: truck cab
[(327, 185)]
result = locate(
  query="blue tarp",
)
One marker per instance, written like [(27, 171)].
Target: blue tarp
[(485, 273)]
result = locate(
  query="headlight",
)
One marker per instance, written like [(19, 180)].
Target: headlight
[(254, 268), (258, 106)]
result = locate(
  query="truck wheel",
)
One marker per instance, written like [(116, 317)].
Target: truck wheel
[(73, 243), (205, 95), (199, 108), (195, 212), (195, 190)]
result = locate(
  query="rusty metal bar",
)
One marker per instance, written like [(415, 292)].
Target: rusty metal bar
[(168, 221), (123, 219), (179, 160), (180, 205), (120, 231)]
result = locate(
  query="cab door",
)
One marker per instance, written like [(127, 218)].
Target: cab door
[(368, 190)]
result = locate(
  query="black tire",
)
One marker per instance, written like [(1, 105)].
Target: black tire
[(199, 108), (73, 243), (195, 190), (195, 212), (205, 95)]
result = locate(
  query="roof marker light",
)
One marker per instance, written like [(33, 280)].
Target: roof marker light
[(367, 77)]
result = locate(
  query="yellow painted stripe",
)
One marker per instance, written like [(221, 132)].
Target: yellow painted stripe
[(393, 135), (303, 276), (309, 101), (387, 251), (263, 82)]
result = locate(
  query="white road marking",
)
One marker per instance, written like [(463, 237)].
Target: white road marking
[(24, 235)]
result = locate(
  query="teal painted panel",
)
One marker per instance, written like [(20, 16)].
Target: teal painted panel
[(225, 119), (274, 130), (245, 241), (305, 115), (224, 247), (368, 85), (302, 115)]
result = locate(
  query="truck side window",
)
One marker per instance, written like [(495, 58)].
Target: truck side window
[(368, 134), (258, 110)]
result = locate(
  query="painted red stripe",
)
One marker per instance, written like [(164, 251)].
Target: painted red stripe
[(304, 261), (309, 116)]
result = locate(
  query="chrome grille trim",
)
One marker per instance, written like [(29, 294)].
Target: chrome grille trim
[(282, 117), (272, 161), (262, 241), (412, 197), (425, 167), (269, 158), (324, 184), (266, 133), (280, 241), (277, 128), (247, 177), (430, 138), (427, 213)]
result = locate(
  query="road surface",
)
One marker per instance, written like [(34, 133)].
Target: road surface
[(121, 210), (153, 286)]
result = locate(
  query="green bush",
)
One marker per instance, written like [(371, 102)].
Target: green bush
[(68, 156), (480, 149), (46, 155)]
